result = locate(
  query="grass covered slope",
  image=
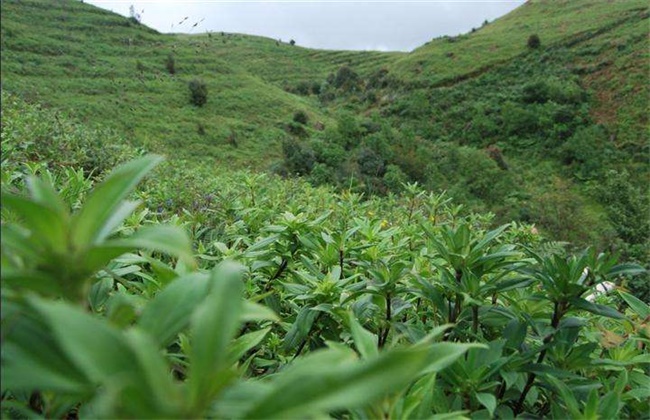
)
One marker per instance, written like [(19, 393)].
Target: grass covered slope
[(555, 22), (110, 70), (107, 69)]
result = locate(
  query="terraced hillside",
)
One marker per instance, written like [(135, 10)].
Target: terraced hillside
[(108, 69)]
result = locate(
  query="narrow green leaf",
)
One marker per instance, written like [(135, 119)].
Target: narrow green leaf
[(242, 344), (325, 381), (456, 415), (255, 312), (424, 407), (154, 386), (435, 333), (609, 406), (32, 359), (93, 346), (115, 219), (595, 308), (18, 240), (637, 305), (441, 355), (169, 312), (89, 225), (213, 325), (34, 281), (591, 408), (628, 269), (566, 396), (262, 243), (300, 328), (364, 340), (45, 224), (44, 193), (489, 237), (171, 240), (99, 293)]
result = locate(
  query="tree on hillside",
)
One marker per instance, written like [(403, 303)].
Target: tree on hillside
[(134, 16)]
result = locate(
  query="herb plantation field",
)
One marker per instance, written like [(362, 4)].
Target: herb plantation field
[(146, 290)]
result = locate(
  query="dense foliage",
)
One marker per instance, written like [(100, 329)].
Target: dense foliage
[(246, 296), (386, 280), (492, 142), (530, 135)]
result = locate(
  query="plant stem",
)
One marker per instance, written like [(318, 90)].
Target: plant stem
[(304, 342), (384, 336), (454, 310), (558, 311), (418, 305), (475, 319), (278, 273)]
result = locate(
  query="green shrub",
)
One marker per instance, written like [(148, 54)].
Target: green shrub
[(42, 137), (587, 151), (198, 92), (321, 174), (378, 80), (534, 42), (350, 131), (330, 153), (299, 158), (346, 79), (170, 64), (370, 163), (301, 117), (303, 88), (296, 129), (395, 178)]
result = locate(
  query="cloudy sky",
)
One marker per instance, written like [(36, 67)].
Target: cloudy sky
[(332, 24)]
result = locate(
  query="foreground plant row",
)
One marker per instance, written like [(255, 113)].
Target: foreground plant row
[(287, 301)]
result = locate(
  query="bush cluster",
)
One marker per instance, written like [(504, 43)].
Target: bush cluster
[(198, 92)]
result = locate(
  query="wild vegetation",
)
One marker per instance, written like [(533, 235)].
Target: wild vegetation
[(333, 233), (271, 299)]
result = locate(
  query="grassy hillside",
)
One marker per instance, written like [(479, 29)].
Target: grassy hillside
[(555, 22), (554, 135), (107, 69)]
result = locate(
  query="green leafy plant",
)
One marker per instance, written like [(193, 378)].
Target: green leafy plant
[(56, 252)]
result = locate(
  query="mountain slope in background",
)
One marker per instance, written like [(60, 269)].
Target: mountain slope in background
[(554, 135)]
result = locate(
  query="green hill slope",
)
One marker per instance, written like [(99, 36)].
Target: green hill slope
[(107, 69), (554, 135), (555, 22)]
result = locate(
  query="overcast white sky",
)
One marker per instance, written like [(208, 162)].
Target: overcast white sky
[(341, 25)]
